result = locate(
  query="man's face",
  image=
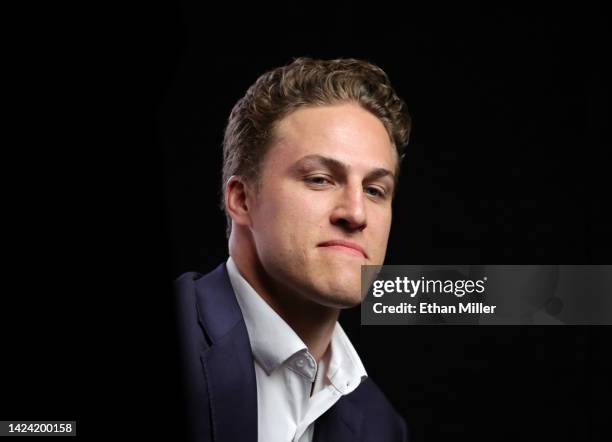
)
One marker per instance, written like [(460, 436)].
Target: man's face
[(324, 204)]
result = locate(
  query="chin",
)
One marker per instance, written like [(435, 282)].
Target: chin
[(338, 303), (349, 303), (332, 286), (340, 297)]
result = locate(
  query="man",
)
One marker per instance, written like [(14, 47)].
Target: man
[(311, 161)]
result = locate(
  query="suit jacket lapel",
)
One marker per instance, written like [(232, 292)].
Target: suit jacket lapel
[(341, 423), (228, 362)]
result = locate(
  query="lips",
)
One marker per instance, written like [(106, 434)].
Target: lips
[(346, 246)]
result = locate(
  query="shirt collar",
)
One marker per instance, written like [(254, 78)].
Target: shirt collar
[(346, 371), (273, 341)]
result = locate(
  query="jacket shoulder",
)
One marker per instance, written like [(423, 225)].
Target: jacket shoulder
[(186, 281), (184, 289), (191, 342)]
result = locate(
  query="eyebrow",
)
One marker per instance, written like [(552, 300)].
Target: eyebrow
[(339, 167)]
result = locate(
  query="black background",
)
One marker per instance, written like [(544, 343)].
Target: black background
[(112, 188)]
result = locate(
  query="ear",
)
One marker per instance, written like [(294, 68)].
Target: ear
[(238, 201)]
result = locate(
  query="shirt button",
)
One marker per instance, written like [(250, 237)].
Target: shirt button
[(300, 362)]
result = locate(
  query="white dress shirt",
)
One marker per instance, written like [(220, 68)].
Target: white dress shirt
[(286, 371)]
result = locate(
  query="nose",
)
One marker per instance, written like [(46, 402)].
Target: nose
[(349, 212)]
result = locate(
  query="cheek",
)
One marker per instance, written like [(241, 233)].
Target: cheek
[(289, 216), (381, 226), (301, 206)]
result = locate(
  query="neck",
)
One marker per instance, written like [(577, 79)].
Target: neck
[(313, 323)]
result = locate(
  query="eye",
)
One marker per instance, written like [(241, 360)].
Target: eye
[(317, 180), (375, 191)]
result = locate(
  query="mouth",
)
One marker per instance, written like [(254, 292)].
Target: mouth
[(346, 247)]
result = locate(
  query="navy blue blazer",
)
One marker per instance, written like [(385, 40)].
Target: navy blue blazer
[(218, 374)]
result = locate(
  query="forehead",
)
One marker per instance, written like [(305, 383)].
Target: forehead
[(345, 132)]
